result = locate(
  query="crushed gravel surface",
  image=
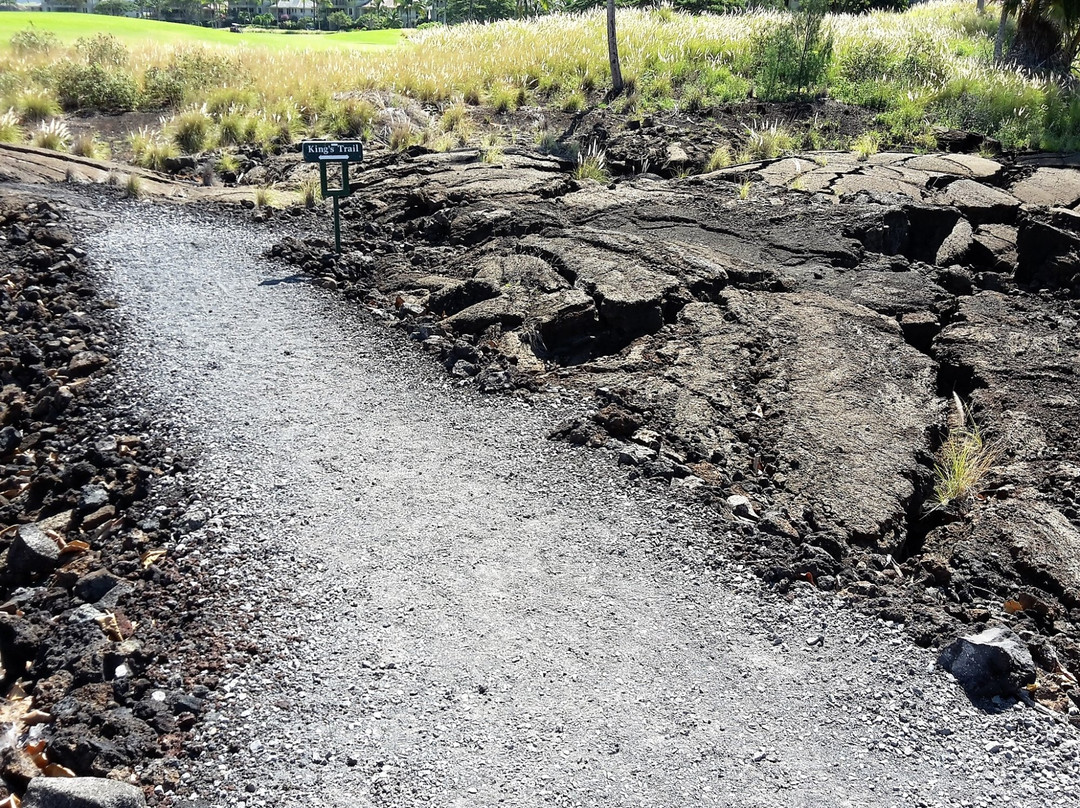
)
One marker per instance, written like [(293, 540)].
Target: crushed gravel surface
[(427, 603)]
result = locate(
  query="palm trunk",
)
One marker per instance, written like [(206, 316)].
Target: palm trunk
[(613, 51), (999, 37)]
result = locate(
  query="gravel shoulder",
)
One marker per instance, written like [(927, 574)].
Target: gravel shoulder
[(427, 603)]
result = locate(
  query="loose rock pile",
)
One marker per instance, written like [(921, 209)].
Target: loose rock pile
[(89, 597), (790, 358)]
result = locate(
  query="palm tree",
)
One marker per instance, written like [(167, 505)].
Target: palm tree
[(1047, 34)]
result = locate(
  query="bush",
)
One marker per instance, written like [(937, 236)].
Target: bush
[(794, 55), (161, 88), (104, 49), (95, 87), (264, 21), (31, 41), (53, 135)]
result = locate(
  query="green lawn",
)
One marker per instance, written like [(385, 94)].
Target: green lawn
[(70, 27)]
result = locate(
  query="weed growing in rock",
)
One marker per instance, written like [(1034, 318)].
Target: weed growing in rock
[(53, 135), (744, 190), (227, 163), (264, 197), (90, 146), (865, 145), (133, 187), (150, 150), (964, 460), (720, 158), (769, 141), (311, 192), (10, 131), (591, 165), (491, 148)]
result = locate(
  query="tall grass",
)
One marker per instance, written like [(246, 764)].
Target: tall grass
[(929, 65)]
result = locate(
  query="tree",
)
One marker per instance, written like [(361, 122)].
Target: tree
[(479, 10), (322, 13), (114, 8), (1047, 34), (339, 21), (613, 51)]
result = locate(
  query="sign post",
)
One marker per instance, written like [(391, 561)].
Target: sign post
[(337, 153)]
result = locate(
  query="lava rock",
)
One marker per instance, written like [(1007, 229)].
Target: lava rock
[(32, 552), (93, 587), (994, 662), (81, 792)]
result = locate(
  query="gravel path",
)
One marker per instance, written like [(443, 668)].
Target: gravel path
[(451, 611)]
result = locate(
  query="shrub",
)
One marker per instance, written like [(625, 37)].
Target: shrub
[(31, 41), (794, 55), (95, 87), (161, 88), (190, 131), (104, 50), (36, 106)]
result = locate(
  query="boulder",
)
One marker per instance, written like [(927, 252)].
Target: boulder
[(1048, 249), (956, 246), (81, 792), (981, 203), (1049, 187), (994, 662)]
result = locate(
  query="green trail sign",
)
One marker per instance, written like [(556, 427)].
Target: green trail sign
[(339, 153)]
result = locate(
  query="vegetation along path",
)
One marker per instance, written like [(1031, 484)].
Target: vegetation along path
[(429, 604)]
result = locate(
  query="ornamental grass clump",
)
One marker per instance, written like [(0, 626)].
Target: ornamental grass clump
[(52, 135), (964, 459)]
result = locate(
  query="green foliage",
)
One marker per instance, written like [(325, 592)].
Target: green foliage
[(30, 41), (235, 129), (161, 88), (507, 98), (720, 158), (768, 141), (340, 21), (133, 187), (573, 102), (227, 163), (115, 8), (150, 150), (104, 50), (89, 146), (479, 10), (794, 55), (228, 100), (86, 86)]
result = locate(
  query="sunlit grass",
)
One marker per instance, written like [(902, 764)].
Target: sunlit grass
[(928, 66)]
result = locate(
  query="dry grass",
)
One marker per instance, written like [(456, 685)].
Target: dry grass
[(964, 459)]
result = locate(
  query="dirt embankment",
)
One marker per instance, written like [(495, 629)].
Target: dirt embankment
[(785, 349)]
